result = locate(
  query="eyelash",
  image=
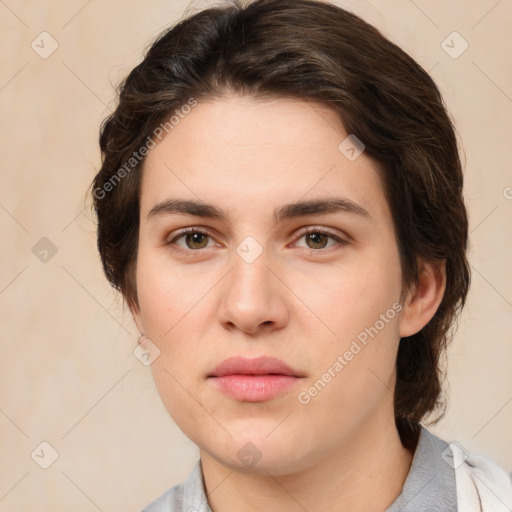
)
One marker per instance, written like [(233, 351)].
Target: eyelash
[(314, 229)]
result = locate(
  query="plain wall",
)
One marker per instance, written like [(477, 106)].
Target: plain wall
[(68, 374)]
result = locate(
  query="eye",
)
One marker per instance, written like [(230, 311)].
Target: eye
[(317, 238), (194, 239)]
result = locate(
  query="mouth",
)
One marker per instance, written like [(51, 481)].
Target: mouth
[(254, 380)]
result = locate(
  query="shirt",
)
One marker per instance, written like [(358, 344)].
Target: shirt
[(430, 484)]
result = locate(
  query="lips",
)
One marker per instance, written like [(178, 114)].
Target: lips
[(254, 380), (255, 366)]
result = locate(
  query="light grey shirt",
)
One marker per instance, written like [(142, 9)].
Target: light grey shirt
[(429, 486)]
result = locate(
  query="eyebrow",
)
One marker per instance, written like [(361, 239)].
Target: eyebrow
[(287, 211)]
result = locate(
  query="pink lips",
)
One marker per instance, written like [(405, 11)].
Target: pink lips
[(253, 380)]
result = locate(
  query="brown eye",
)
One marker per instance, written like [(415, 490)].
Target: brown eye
[(194, 239), (316, 240)]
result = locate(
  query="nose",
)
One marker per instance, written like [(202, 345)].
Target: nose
[(254, 298)]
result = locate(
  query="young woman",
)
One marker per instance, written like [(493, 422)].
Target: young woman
[(281, 205)]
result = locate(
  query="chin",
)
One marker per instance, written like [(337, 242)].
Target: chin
[(260, 454)]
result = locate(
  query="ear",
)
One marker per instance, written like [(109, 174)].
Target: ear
[(423, 299)]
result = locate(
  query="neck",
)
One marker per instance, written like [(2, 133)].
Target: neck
[(365, 472)]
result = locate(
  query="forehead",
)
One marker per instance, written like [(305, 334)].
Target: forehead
[(246, 154)]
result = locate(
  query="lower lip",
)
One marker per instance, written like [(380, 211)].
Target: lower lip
[(254, 388)]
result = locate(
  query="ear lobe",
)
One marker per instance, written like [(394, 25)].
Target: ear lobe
[(422, 300)]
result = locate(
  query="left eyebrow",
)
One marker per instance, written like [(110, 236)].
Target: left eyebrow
[(319, 207), (287, 211)]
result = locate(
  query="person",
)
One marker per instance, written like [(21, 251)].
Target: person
[(280, 203)]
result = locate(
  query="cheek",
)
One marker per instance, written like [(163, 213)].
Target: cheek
[(360, 307), (167, 310), (173, 381), (165, 293), (172, 305), (354, 375), (350, 297)]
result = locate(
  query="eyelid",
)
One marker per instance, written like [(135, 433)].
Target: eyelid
[(317, 229), (304, 231), (192, 229), (342, 240)]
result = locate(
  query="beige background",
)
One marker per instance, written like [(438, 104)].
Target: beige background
[(68, 373)]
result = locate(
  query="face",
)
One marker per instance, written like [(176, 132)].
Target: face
[(315, 286)]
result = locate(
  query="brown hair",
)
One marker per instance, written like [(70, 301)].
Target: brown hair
[(314, 51)]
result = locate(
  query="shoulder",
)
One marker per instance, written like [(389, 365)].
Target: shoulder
[(188, 496), (446, 477), (170, 501), (481, 483)]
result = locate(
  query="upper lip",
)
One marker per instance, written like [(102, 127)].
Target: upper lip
[(253, 366)]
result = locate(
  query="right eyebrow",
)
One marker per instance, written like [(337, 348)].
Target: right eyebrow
[(187, 207)]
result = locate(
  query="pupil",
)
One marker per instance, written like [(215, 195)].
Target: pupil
[(316, 238), (196, 238)]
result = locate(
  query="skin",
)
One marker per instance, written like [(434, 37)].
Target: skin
[(297, 301)]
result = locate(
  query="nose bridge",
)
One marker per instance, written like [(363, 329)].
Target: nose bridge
[(252, 295), (251, 277)]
